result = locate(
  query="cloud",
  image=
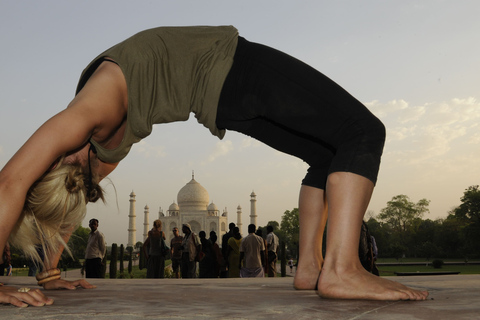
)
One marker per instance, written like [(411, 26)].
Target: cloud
[(149, 151), (222, 148), (473, 139), (419, 134), (383, 109), (249, 143)]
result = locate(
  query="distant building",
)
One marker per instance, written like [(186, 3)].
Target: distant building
[(192, 207), (132, 230)]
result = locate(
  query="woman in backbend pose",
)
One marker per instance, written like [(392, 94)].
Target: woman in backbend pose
[(161, 75)]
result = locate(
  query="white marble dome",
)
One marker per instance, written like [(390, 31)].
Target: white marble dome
[(173, 207), (212, 207), (193, 197)]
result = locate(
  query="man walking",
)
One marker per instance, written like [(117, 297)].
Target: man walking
[(272, 247), (252, 250), (176, 253), (95, 251), (191, 246)]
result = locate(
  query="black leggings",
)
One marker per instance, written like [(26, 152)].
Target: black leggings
[(295, 109)]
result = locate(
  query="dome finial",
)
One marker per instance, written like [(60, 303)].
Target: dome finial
[(193, 174)]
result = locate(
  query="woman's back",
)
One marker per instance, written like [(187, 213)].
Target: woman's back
[(155, 247)]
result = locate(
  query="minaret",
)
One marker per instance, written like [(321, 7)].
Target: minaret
[(160, 213), (253, 209), (145, 224), (239, 218), (131, 222)]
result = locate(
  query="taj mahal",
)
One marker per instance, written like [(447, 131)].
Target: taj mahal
[(193, 206)]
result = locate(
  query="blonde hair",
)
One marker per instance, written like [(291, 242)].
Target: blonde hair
[(157, 223), (54, 207)]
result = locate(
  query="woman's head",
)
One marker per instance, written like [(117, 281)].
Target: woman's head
[(54, 207), (236, 233), (157, 224), (213, 236)]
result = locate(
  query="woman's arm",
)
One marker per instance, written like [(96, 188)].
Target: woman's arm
[(33, 159), (145, 246), (98, 112), (66, 131)]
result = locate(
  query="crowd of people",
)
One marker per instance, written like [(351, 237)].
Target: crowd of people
[(231, 260)]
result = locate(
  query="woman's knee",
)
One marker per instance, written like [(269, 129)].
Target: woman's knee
[(377, 129), (366, 135)]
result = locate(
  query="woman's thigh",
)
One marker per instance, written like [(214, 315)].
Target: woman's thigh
[(296, 109)]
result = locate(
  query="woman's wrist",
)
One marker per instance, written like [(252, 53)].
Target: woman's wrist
[(47, 276)]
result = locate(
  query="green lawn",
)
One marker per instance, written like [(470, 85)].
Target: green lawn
[(384, 270), (403, 260), (23, 272), (20, 272), (463, 269)]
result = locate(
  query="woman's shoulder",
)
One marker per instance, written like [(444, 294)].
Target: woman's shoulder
[(154, 233)]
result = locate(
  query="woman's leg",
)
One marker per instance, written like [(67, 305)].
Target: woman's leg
[(184, 265), (342, 275), (312, 208), (292, 107)]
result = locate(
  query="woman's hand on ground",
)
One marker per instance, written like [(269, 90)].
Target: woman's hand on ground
[(33, 297), (66, 284)]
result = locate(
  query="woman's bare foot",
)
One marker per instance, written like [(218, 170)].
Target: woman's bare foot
[(357, 283), (306, 275)]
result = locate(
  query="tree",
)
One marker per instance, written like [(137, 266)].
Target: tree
[(77, 245), (470, 207), (427, 249), (469, 213), (290, 224), (402, 218), (274, 225), (450, 237), (78, 242), (381, 235), (290, 227), (401, 214)]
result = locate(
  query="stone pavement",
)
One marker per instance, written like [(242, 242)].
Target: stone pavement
[(451, 297)]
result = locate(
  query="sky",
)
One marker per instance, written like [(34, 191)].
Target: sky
[(414, 64)]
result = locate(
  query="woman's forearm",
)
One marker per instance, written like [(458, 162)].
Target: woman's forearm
[(54, 258), (12, 199)]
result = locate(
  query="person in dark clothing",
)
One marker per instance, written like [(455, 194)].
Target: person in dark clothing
[(207, 264), (225, 250)]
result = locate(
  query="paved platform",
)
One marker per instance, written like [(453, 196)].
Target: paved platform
[(451, 297)]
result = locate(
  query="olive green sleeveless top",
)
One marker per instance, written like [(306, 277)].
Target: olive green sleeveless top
[(170, 72)]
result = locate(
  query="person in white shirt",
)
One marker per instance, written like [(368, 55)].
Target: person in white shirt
[(95, 251)]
